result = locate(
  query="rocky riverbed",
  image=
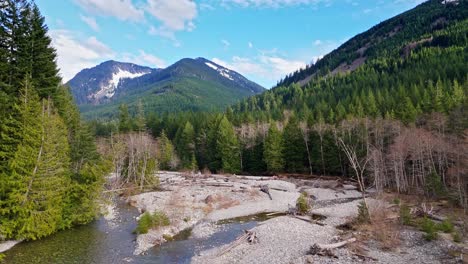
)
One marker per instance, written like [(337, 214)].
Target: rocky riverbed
[(200, 202)]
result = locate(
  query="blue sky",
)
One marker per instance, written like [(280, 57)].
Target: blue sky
[(261, 39)]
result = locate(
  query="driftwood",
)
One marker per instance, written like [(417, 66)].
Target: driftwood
[(266, 189), (308, 220), (338, 244), (326, 249), (424, 210), (249, 236)]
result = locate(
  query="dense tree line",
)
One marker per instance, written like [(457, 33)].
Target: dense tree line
[(50, 170)]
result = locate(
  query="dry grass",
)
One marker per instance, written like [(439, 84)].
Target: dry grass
[(384, 226)]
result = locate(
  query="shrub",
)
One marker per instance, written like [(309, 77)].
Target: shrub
[(302, 204), (456, 237), (396, 201), (446, 226), (430, 228), (434, 185), (144, 224), (405, 215), (363, 214), (148, 221), (160, 219)]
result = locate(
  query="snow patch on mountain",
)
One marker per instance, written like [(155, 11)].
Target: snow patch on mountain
[(108, 90), (222, 71), (214, 67)]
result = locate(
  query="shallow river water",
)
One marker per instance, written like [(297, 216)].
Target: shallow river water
[(112, 242)]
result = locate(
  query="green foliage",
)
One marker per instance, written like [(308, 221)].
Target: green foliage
[(294, 150), (434, 185), (405, 215), (303, 204), (273, 151), (125, 124), (186, 145), (363, 214), (227, 147), (144, 223), (148, 221), (166, 152), (429, 228), (446, 226)]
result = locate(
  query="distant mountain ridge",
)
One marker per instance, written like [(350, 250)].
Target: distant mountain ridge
[(100, 83), (397, 36), (189, 84)]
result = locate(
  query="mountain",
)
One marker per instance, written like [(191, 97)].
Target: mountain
[(411, 64), (395, 37), (99, 84), (187, 85)]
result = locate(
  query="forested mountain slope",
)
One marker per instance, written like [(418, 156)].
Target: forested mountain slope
[(189, 84), (392, 38), (419, 68)]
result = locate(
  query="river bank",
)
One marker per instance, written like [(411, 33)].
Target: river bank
[(201, 203)]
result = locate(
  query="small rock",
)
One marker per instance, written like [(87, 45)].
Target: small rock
[(209, 199)]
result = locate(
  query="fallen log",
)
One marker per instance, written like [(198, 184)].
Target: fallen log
[(325, 250), (249, 236), (337, 245), (308, 220)]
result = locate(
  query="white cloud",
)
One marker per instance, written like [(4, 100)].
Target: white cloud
[(144, 58), (271, 3), (266, 69), (174, 15), (282, 66), (121, 9), (250, 45), (90, 21), (75, 54), (318, 42)]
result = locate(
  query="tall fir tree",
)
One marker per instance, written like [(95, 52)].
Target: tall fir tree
[(294, 149), (227, 147), (187, 145), (125, 124), (273, 151)]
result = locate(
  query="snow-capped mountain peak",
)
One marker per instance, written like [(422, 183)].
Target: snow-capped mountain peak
[(108, 90), (222, 71)]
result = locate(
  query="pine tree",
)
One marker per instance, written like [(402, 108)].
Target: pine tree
[(23, 163), (273, 150), (294, 149), (47, 186), (187, 145), (166, 152), (42, 55), (125, 124), (227, 147), (140, 121)]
